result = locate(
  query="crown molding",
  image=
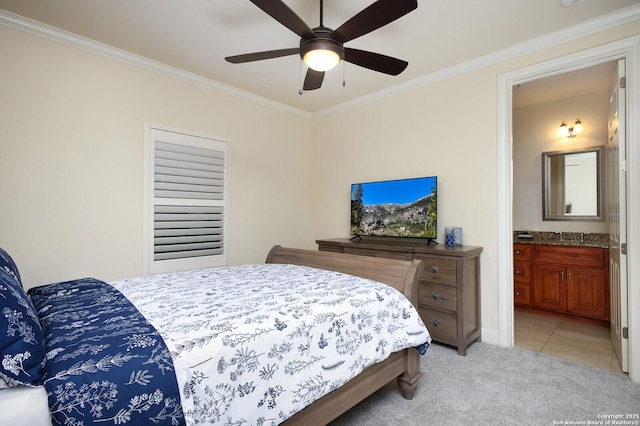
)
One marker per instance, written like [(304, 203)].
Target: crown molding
[(74, 40), (595, 25), (604, 22)]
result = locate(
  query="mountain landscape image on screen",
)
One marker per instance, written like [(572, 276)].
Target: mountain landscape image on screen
[(416, 219)]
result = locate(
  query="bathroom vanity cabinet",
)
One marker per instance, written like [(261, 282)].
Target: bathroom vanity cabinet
[(567, 280)]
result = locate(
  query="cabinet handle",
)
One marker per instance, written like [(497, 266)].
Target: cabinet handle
[(517, 271), (570, 277), (562, 276), (518, 293), (436, 296), (436, 322), (435, 269), (517, 251)]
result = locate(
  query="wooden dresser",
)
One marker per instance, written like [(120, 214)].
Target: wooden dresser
[(568, 281), (449, 286)]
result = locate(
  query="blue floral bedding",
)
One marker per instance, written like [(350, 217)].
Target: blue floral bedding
[(241, 345), (254, 344), (105, 363)]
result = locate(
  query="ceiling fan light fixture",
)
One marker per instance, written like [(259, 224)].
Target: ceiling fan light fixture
[(321, 59), (321, 54)]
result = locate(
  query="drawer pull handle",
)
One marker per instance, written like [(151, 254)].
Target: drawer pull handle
[(436, 322), (436, 296), (435, 269), (517, 293), (517, 251), (517, 271)]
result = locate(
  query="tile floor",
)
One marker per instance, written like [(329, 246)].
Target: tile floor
[(573, 341)]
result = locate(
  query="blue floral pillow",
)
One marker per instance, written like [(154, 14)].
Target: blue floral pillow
[(22, 355), (9, 266)]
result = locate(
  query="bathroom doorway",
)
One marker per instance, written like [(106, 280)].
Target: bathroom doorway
[(540, 106)]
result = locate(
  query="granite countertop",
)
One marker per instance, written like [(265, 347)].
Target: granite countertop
[(577, 239)]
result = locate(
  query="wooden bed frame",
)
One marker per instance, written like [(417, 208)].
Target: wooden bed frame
[(403, 365)]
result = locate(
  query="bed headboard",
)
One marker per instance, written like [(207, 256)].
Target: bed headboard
[(400, 274)]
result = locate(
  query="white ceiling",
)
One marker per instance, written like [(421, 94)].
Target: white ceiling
[(564, 85), (196, 35)]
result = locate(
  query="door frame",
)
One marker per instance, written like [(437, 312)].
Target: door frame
[(629, 49)]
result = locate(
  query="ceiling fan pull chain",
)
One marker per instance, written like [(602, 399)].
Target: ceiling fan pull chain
[(300, 91), (344, 67)]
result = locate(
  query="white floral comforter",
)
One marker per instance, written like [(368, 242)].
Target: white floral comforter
[(254, 344)]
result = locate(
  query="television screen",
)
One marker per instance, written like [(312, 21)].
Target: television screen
[(395, 208)]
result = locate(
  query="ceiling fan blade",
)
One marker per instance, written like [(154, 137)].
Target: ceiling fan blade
[(378, 14), (259, 56), (313, 79), (287, 17), (375, 61)]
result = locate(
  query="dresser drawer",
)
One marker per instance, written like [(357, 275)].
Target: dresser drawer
[(442, 326), (438, 269), (393, 255), (359, 251), (437, 296), (379, 253), (521, 271), (521, 252), (522, 294)]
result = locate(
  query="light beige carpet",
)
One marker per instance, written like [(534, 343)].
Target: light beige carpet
[(494, 385)]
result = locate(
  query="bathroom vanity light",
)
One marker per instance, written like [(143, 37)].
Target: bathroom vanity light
[(570, 132)]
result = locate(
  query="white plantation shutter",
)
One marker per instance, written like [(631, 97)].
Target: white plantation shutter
[(187, 201), (187, 231), (188, 172)]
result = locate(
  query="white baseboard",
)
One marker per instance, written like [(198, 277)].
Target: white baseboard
[(489, 335)]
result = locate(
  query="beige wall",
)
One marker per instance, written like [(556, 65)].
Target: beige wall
[(534, 132), (434, 130), (71, 161), (447, 128), (72, 144)]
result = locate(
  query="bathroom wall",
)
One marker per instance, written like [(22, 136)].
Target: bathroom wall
[(535, 130)]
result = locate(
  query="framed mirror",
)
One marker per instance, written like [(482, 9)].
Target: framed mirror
[(572, 187)]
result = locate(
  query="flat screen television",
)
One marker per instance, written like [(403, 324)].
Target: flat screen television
[(406, 208)]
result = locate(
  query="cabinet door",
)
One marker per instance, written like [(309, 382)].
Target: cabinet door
[(550, 287), (586, 292)]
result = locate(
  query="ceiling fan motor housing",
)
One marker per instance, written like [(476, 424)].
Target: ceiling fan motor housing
[(323, 41)]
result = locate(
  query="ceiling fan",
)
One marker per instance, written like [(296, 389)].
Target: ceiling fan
[(322, 48)]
